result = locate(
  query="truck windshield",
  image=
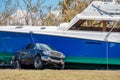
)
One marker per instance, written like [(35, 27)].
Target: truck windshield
[(44, 47)]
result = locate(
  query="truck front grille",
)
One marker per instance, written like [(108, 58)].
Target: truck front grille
[(55, 54)]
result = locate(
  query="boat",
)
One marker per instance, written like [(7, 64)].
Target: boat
[(98, 43)]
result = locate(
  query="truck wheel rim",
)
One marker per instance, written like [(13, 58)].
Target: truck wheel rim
[(37, 62)]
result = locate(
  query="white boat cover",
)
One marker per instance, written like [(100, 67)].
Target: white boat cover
[(98, 10)]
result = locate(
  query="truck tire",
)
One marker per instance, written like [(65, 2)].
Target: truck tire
[(38, 64), (60, 66), (17, 64)]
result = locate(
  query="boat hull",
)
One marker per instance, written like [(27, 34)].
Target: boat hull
[(76, 50)]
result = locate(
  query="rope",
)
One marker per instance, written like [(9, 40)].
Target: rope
[(32, 36), (107, 46)]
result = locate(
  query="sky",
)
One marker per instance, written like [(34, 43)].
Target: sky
[(53, 3)]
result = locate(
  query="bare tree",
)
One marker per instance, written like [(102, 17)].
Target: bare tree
[(27, 12), (9, 8), (72, 7), (34, 11)]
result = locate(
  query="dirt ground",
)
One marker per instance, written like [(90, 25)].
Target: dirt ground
[(47, 74)]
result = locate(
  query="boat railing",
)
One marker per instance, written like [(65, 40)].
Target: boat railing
[(114, 1), (92, 28), (108, 0), (106, 37), (108, 11)]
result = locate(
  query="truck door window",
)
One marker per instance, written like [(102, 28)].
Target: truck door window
[(29, 46)]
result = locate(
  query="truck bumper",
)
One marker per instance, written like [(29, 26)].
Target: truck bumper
[(49, 59)]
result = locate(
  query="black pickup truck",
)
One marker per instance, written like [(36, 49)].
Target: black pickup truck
[(38, 55)]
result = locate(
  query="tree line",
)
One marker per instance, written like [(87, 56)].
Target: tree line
[(35, 13)]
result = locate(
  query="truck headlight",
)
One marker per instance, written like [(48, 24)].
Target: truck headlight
[(46, 52), (62, 56), (13, 57)]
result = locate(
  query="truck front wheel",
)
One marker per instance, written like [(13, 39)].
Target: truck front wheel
[(38, 64), (60, 66)]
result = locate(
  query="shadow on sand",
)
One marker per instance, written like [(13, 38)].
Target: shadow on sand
[(74, 66)]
